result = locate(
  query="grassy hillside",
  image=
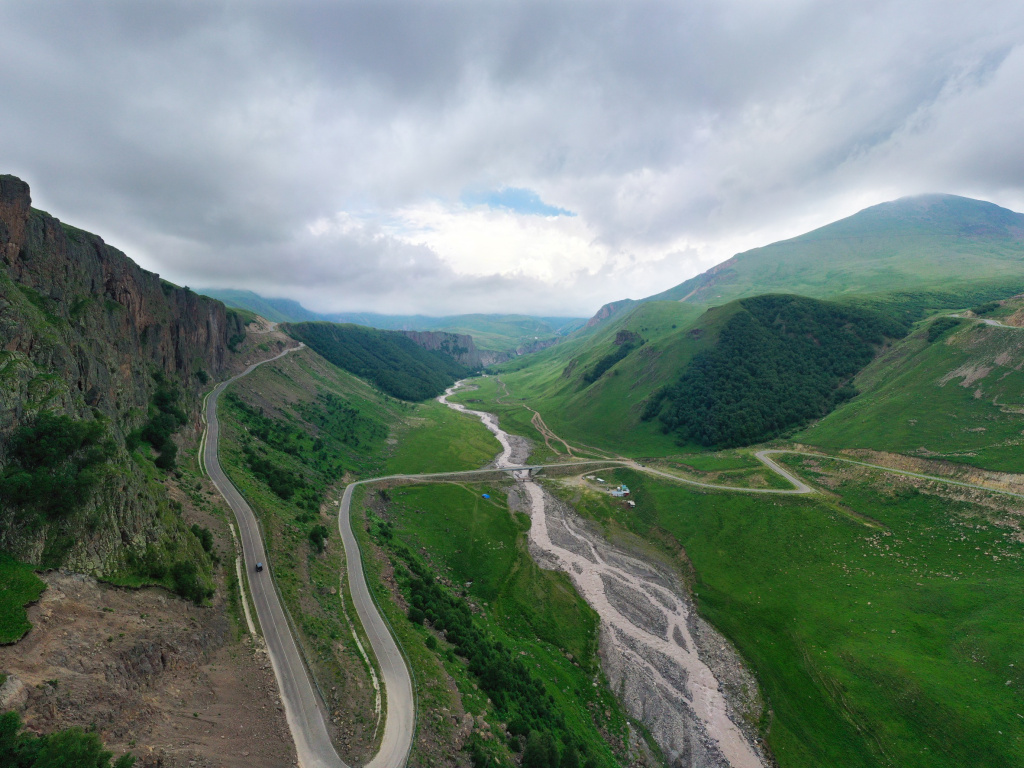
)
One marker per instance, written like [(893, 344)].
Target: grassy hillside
[(518, 641), (778, 362), (881, 618), (20, 587), (958, 395), (393, 362), (915, 243), (662, 336)]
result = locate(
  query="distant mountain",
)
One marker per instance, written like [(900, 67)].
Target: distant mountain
[(509, 334), (275, 310), (928, 242)]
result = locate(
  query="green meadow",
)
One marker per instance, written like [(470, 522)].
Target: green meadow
[(958, 398), (434, 438), (478, 547), (881, 619)]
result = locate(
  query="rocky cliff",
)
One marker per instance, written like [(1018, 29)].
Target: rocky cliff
[(458, 346), (461, 347), (83, 331)]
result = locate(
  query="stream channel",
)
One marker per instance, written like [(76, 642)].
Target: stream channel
[(672, 670)]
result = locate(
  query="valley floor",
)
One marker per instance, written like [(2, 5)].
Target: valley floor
[(880, 615)]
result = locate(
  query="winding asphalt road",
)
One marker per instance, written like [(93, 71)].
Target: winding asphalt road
[(306, 721), (305, 718)]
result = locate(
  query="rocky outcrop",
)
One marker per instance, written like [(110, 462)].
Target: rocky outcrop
[(462, 348), (83, 329), (609, 309), (458, 346)]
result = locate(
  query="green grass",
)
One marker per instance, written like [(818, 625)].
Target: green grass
[(294, 419), (19, 586), (437, 439), (606, 413), (900, 246), (914, 400), (895, 642), (478, 546)]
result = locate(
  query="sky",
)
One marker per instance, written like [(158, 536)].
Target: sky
[(544, 158)]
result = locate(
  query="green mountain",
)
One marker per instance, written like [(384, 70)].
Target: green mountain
[(662, 373), (389, 359), (952, 390), (929, 242), (510, 334), (779, 362), (274, 310)]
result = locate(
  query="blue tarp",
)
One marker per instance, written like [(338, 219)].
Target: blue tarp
[(487, 495)]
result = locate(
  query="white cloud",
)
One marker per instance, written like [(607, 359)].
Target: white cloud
[(218, 144)]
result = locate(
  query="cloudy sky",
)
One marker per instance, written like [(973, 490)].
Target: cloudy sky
[(487, 156)]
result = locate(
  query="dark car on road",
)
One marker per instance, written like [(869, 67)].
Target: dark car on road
[(259, 567)]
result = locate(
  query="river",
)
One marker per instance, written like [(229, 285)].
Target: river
[(672, 670)]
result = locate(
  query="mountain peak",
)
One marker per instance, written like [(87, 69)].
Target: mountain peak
[(923, 242)]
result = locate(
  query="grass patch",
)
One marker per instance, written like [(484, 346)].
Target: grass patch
[(892, 645), (475, 552), (437, 439), (19, 587)]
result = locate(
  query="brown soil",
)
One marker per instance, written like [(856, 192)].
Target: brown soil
[(153, 674)]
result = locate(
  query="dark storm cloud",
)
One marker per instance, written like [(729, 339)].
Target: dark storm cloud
[(207, 138)]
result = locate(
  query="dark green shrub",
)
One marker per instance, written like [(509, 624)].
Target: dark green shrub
[(318, 537), (72, 748), (205, 537), (165, 418), (541, 751), (940, 327), (609, 360), (54, 464), (185, 576)]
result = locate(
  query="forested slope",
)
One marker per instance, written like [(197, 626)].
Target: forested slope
[(389, 359), (779, 362)]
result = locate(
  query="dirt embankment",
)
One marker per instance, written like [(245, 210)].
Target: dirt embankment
[(151, 673)]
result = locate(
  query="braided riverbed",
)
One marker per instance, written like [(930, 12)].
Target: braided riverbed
[(673, 671)]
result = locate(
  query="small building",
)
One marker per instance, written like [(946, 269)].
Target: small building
[(631, 504)]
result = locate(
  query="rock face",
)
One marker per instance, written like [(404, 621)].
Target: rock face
[(608, 310), (83, 330), (458, 346), (461, 347)]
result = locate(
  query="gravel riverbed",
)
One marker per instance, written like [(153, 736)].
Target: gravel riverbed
[(672, 670)]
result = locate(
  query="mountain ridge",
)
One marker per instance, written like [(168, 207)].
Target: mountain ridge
[(878, 246)]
